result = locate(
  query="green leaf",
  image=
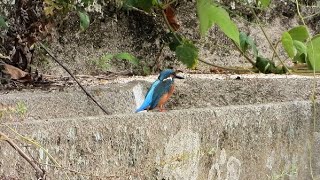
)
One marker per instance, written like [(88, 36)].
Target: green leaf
[(300, 46), (313, 49), (299, 33), (133, 60), (302, 58), (174, 40), (292, 42), (245, 42), (228, 27), (209, 14), (187, 53), (265, 3), (266, 66), (253, 46), (3, 23), (84, 20), (103, 61), (106, 58), (204, 11), (301, 51), (287, 43)]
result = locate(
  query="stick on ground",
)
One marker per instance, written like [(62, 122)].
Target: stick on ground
[(39, 172)]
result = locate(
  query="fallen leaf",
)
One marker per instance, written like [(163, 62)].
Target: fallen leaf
[(171, 17), (16, 73)]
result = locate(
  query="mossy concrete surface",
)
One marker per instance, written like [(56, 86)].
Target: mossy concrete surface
[(216, 127)]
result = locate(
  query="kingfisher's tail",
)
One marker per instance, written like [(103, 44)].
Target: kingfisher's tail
[(148, 99), (146, 103), (144, 106)]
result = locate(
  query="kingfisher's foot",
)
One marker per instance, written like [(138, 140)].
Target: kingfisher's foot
[(162, 110)]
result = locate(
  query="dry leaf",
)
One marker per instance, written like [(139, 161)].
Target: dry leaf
[(171, 17), (16, 73)]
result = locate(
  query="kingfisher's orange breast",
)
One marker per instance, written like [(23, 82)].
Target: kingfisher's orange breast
[(166, 96)]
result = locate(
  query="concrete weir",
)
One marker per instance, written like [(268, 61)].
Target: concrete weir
[(217, 127)]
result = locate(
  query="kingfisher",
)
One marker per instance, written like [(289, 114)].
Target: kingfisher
[(160, 91)]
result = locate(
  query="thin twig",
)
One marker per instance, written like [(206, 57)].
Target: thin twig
[(273, 54), (270, 44), (314, 69), (169, 26), (312, 15), (244, 55), (139, 10), (30, 141), (165, 6), (68, 71), (39, 172), (313, 99)]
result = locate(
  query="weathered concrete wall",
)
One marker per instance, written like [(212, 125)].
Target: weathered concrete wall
[(235, 142), (196, 91), (263, 129)]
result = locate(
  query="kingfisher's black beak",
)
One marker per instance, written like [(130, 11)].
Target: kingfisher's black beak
[(177, 76)]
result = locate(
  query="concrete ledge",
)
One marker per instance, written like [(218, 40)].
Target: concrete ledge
[(197, 91), (234, 142)]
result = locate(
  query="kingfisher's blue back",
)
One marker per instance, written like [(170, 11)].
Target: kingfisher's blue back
[(148, 99), (158, 89), (162, 88)]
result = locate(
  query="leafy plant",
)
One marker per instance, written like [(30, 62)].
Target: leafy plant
[(267, 66), (21, 108), (84, 20), (185, 50), (247, 42), (187, 53), (293, 41), (209, 14), (104, 61), (299, 49), (313, 49), (127, 56), (52, 7)]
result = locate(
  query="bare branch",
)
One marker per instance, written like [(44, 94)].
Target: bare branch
[(39, 172), (73, 77)]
